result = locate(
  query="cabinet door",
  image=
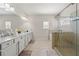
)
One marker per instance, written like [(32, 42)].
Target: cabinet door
[(21, 44), (29, 37), (26, 41), (10, 51)]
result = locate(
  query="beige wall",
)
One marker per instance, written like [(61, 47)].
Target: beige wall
[(34, 23), (37, 24), (16, 21)]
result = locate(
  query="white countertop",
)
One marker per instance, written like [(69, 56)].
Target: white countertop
[(4, 39)]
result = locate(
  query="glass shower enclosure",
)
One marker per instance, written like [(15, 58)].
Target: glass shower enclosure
[(68, 31)]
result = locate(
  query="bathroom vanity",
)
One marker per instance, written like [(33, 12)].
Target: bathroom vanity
[(14, 45)]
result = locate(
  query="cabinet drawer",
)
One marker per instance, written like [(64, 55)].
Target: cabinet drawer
[(6, 44), (14, 41)]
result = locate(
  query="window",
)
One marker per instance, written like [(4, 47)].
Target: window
[(8, 25), (45, 25)]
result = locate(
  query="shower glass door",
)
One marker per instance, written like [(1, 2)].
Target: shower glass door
[(67, 32)]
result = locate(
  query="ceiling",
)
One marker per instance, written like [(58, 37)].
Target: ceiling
[(39, 8), (4, 12), (5, 9), (36, 8)]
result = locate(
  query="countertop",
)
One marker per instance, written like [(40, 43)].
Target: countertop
[(4, 39)]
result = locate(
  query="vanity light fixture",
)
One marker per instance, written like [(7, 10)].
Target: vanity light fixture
[(24, 18), (2, 5), (10, 9), (7, 5)]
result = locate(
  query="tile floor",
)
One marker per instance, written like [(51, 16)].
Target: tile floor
[(41, 48)]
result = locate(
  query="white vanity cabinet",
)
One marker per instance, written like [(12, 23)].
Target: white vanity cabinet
[(15, 46), (9, 48), (26, 40), (29, 36), (10, 51), (21, 44), (23, 41)]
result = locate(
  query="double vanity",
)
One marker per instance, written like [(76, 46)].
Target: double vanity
[(14, 45)]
